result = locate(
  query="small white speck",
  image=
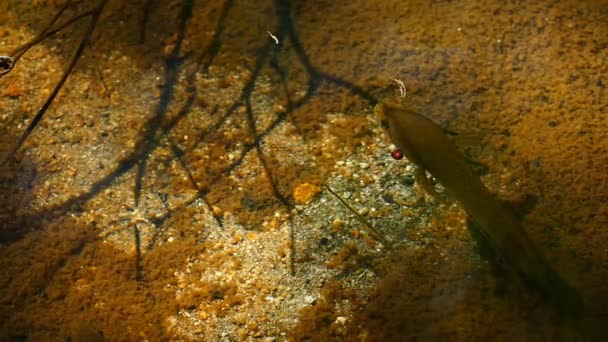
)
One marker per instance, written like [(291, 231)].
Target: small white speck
[(309, 299), (276, 40)]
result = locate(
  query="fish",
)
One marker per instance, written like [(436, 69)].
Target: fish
[(426, 145)]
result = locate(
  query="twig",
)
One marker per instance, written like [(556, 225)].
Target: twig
[(402, 90), (21, 50), (94, 16), (374, 231), (276, 40)]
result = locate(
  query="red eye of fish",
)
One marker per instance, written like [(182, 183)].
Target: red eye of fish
[(397, 154)]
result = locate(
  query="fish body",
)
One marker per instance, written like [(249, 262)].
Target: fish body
[(426, 145)]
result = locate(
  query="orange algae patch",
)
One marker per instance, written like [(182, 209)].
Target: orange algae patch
[(305, 192), (323, 320), (71, 284)]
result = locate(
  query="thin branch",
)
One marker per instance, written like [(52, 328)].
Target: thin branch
[(18, 52), (94, 17)]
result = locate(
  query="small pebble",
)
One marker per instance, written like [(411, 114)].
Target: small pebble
[(341, 320), (310, 299)]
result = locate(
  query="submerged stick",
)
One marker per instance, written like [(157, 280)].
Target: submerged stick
[(77, 53), (377, 234)]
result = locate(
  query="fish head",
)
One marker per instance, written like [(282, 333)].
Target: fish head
[(390, 118)]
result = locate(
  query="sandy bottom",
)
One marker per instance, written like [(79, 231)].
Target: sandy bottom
[(176, 188)]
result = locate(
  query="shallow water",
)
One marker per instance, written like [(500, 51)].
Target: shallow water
[(174, 189)]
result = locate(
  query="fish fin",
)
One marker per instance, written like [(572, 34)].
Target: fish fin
[(470, 144), (478, 168), (425, 183), (464, 140), (521, 205)]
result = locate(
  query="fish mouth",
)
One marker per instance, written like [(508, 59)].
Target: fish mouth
[(381, 118), (383, 122), (379, 112)]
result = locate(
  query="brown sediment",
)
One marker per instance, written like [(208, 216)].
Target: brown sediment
[(69, 276), (535, 97)]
